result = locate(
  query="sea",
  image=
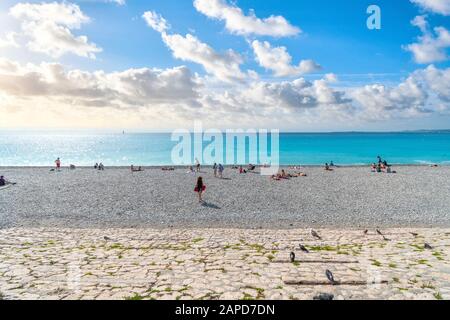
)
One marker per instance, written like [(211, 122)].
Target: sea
[(26, 148)]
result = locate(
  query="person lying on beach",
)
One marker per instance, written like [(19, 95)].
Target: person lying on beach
[(200, 188), (134, 169), (251, 167), (276, 177), (4, 182), (191, 169), (373, 168), (242, 170), (299, 174), (168, 169)]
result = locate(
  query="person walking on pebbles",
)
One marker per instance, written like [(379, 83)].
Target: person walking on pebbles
[(200, 188)]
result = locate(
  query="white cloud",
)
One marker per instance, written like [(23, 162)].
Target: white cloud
[(430, 47), (436, 6), (119, 2), (176, 96), (237, 22), (134, 87), (156, 21), (279, 60), (225, 67), (9, 40), (49, 28)]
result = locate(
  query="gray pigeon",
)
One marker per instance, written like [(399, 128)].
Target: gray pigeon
[(379, 232), (414, 234), (292, 257), (366, 232), (315, 234), (303, 248), (386, 239), (324, 297), (106, 238), (330, 276), (427, 246)]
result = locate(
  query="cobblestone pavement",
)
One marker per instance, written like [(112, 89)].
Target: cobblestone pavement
[(223, 264)]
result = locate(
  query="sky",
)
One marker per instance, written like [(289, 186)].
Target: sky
[(161, 65)]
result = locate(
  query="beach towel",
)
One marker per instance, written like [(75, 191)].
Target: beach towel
[(203, 189), (5, 187)]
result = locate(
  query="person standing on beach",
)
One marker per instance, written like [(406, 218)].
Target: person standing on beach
[(58, 164), (221, 171), (200, 188), (215, 169), (197, 164)]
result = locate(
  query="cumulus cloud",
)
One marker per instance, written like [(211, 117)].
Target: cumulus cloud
[(224, 66), (279, 60), (48, 26), (237, 22), (436, 6), (158, 95), (133, 87), (9, 40), (423, 92), (431, 47)]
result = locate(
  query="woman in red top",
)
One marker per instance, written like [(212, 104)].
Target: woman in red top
[(200, 188)]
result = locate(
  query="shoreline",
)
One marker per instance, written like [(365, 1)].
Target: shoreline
[(281, 166)]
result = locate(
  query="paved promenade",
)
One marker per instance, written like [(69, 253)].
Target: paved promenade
[(222, 264)]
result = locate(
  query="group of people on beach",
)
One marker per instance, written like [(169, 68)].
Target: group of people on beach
[(99, 166), (218, 170), (381, 166)]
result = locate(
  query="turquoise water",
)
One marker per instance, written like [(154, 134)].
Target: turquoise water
[(84, 149)]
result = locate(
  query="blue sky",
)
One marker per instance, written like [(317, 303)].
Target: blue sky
[(334, 35)]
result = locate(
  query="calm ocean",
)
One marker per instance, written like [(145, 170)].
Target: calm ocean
[(83, 149)]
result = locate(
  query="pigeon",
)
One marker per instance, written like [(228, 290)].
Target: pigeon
[(414, 234), (427, 246), (379, 232), (324, 297), (315, 234), (292, 257), (330, 276), (386, 239), (303, 248), (106, 238), (366, 232)]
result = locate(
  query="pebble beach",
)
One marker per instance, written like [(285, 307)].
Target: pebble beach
[(113, 234), (350, 197)]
